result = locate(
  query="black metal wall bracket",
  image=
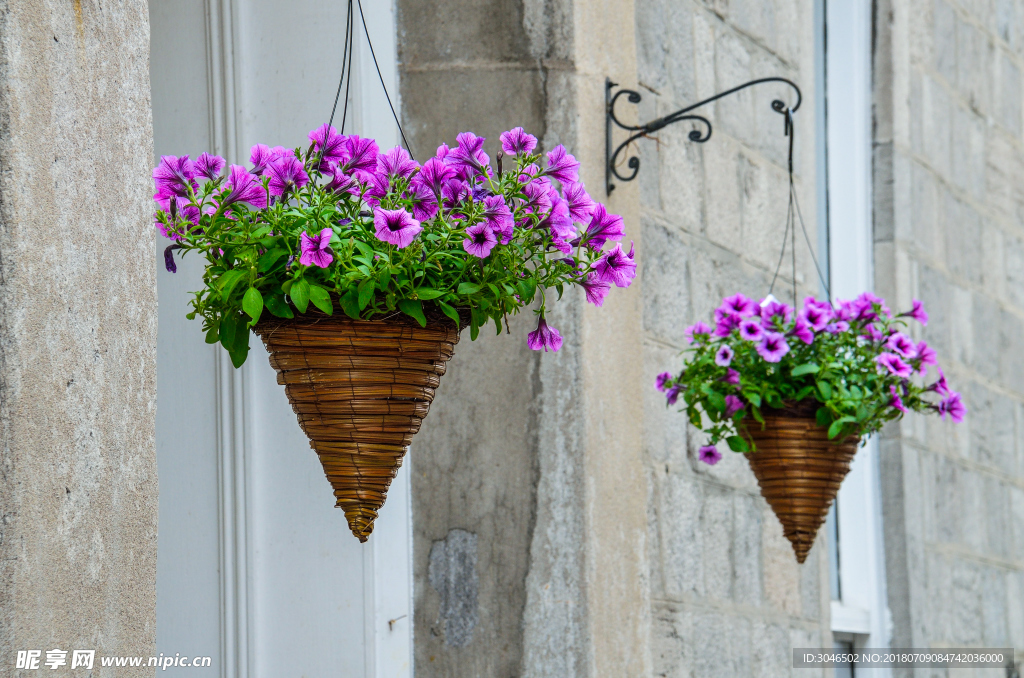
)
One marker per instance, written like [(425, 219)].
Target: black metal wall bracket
[(696, 135)]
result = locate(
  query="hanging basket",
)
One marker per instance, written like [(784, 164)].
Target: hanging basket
[(360, 389), (799, 469)]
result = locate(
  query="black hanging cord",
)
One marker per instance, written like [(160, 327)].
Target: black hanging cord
[(345, 59), (793, 214), (379, 75)]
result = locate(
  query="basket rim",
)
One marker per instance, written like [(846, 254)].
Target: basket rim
[(313, 316)]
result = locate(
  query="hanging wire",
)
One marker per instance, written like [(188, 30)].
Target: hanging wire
[(379, 75), (346, 58), (793, 214)]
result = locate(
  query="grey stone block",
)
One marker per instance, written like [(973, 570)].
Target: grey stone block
[(453, 575)]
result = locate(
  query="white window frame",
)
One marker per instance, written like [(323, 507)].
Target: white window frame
[(861, 615)]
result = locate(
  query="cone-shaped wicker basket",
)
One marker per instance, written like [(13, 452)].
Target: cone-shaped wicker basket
[(799, 470), (360, 390)]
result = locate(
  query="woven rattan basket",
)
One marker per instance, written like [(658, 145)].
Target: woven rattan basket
[(799, 470), (360, 390)]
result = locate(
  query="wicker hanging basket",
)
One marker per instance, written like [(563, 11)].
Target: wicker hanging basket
[(799, 470), (360, 390)]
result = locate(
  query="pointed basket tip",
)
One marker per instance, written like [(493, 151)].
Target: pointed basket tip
[(360, 390), (799, 470)]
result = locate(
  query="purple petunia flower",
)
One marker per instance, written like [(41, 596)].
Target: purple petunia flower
[(837, 327), (772, 347), (732, 405), (896, 401), (359, 153), (286, 174), (329, 144), (544, 337), (697, 332), (603, 227), (516, 141), (927, 355), (433, 174), (424, 202), (894, 364), (596, 289), (868, 307), (468, 157), (210, 166), (481, 240), (726, 321), (773, 310), (340, 181), (731, 377), (815, 316), (616, 267), (710, 455), (954, 407), (802, 331), (498, 218), (661, 380), (581, 205), (562, 165), (723, 357), (242, 187), (454, 192), (558, 220), (396, 163), (902, 344), (940, 386), (751, 330), (174, 175), (395, 226), (314, 249), (672, 395), (738, 304), (917, 312)]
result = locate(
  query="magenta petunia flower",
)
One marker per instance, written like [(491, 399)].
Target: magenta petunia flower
[(286, 174), (396, 163), (517, 142), (562, 165), (581, 205), (954, 407), (498, 218), (603, 227), (661, 380), (726, 321), (433, 174), (723, 357), (732, 405), (596, 289), (926, 354), (261, 156), (917, 312), (424, 202), (558, 221), (209, 166), (395, 226), (174, 175), (751, 330), (359, 153), (329, 144), (537, 199), (672, 395), (871, 330), (869, 307), (455, 192), (616, 267), (896, 401), (314, 249), (838, 327), (802, 331), (731, 377), (481, 240), (468, 157), (242, 187), (816, 316), (902, 344), (710, 455), (894, 364), (772, 347), (340, 181), (775, 311), (738, 304), (544, 337), (940, 386), (697, 332)]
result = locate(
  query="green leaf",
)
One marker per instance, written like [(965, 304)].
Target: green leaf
[(268, 259), (299, 293), (753, 397), (426, 294), (695, 417), (449, 311), (825, 389), (804, 392), (806, 368), (238, 355), (384, 279), (252, 303), (226, 283), (366, 290), (474, 330), (414, 309), (716, 400), (756, 411), (468, 288), (321, 299), (276, 304), (350, 303), (823, 416), (837, 426), (737, 444), (212, 336)]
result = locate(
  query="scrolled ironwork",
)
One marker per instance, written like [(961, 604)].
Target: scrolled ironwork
[(696, 135)]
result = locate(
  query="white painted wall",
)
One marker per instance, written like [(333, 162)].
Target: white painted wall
[(255, 566), (862, 609)]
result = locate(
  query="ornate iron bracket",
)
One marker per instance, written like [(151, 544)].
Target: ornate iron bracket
[(697, 135)]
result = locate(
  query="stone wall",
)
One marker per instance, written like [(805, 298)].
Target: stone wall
[(727, 595), (77, 331), (949, 187)]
